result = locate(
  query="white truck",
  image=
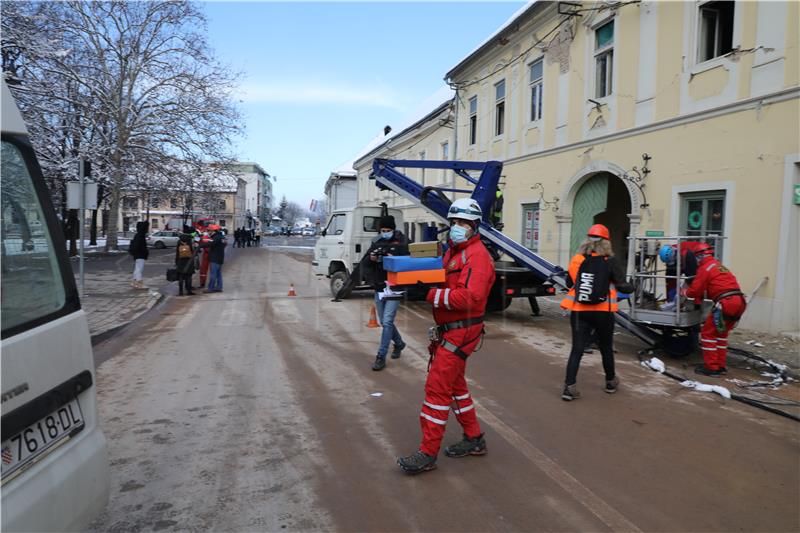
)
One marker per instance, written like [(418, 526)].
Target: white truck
[(344, 240)]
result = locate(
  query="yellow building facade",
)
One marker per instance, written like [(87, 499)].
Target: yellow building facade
[(673, 117)]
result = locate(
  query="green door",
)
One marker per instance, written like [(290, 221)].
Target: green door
[(590, 201)]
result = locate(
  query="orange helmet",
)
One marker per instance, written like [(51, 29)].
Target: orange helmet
[(213, 227), (599, 230)]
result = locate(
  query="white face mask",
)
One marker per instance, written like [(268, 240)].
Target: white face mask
[(458, 234), (387, 234)]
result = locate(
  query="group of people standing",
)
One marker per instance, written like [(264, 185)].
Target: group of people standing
[(596, 282), (203, 251), (246, 237)]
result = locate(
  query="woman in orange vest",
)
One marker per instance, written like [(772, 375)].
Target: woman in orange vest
[(594, 277)]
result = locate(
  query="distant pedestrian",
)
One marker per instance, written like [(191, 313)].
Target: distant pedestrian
[(138, 249), (216, 257), (237, 237), (184, 264), (594, 276), (248, 237)]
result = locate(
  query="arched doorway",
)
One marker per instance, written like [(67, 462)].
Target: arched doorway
[(603, 199)]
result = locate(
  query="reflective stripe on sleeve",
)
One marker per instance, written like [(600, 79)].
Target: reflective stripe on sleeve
[(464, 397), (447, 298), (437, 407), (434, 420), (436, 298)]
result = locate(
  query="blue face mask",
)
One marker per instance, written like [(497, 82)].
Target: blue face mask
[(458, 234), (387, 234)]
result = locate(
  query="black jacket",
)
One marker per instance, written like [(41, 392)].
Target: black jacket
[(138, 247), (374, 274), (216, 249), (184, 265)]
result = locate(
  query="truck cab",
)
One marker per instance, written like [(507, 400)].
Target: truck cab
[(344, 240)]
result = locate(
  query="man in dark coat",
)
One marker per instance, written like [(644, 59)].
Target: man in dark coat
[(216, 256), (184, 264)]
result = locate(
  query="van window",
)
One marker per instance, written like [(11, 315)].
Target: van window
[(336, 224), (32, 286)]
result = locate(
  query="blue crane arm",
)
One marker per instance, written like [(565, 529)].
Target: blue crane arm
[(388, 176)]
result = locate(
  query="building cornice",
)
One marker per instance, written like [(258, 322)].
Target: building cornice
[(735, 107)]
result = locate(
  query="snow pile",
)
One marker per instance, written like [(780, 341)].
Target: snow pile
[(702, 387), (655, 364)]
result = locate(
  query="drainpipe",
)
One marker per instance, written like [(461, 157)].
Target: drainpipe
[(455, 138)]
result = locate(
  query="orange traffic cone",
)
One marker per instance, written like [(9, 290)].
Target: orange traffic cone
[(291, 290), (373, 319)]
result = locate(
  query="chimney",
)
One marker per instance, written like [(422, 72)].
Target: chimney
[(386, 130)]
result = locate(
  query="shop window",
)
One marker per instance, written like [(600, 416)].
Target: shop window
[(604, 59), (715, 29), (703, 214)]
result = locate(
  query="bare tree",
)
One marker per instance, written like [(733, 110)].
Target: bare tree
[(140, 82)]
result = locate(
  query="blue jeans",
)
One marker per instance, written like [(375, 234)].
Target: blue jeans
[(387, 309), (215, 277)]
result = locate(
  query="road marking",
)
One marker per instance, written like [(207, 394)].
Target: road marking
[(582, 494)]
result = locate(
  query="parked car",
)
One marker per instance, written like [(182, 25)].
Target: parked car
[(296, 231), (270, 232), (309, 232), (163, 239)]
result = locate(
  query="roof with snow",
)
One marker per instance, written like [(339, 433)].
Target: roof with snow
[(430, 106), (497, 35)]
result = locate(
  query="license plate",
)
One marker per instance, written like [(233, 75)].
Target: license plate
[(529, 290), (37, 438)]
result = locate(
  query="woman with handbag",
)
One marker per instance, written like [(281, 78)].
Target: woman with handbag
[(184, 264)]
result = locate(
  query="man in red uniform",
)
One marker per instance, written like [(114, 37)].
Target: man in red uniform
[(458, 310), (719, 283), (205, 242)]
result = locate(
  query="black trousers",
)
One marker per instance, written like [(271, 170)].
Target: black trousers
[(583, 322), (184, 283)]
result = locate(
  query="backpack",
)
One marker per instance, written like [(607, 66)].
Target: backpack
[(593, 281), (184, 250)]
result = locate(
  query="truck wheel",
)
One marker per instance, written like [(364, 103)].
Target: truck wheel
[(497, 302), (338, 279), (677, 342)]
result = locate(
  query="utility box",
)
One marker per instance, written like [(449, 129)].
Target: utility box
[(425, 249)]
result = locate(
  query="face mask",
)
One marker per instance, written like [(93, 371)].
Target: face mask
[(387, 234), (458, 234)]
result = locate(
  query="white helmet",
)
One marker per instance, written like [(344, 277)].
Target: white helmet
[(465, 209)]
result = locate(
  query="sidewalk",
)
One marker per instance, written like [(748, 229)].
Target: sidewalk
[(111, 302)]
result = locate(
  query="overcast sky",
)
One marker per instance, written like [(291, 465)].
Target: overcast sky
[(323, 78)]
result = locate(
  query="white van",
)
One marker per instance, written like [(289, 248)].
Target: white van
[(55, 462)]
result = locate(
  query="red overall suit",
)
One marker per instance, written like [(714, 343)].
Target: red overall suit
[(469, 277), (688, 267), (204, 239), (721, 286)]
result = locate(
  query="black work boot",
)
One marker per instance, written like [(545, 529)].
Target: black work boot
[(705, 371), (467, 446), (417, 462), (397, 350), (380, 363)]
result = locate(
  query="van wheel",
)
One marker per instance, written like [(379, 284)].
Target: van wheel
[(497, 302), (338, 279), (160, 245)]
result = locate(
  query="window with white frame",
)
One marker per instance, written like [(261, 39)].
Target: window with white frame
[(714, 29), (536, 72), (445, 151), (702, 215), (499, 107), (422, 170), (604, 59), (473, 120)]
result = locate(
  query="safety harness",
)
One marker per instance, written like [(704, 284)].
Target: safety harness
[(728, 294), (458, 324)]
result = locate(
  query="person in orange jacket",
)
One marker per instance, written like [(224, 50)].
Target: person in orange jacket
[(458, 310), (719, 284), (594, 277), (205, 242)]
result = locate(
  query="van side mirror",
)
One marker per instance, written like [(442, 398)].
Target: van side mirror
[(323, 233)]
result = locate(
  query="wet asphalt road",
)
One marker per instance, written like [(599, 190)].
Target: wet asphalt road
[(249, 410)]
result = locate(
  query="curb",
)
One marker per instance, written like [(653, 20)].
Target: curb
[(105, 335)]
